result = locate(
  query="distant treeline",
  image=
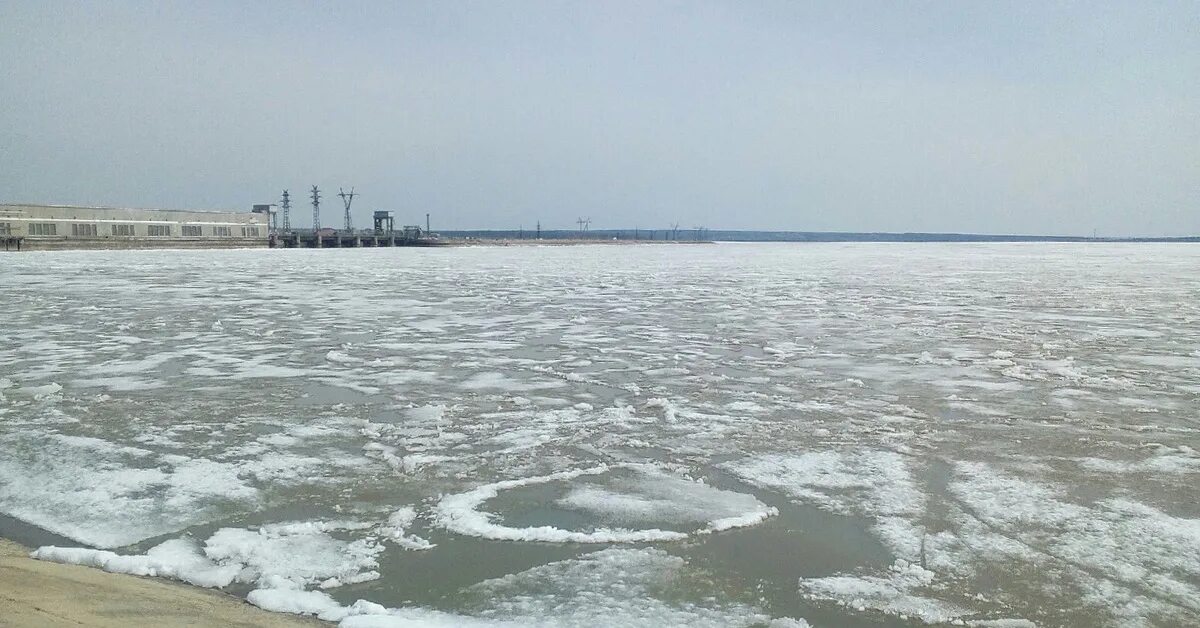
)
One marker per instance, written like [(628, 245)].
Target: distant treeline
[(717, 235)]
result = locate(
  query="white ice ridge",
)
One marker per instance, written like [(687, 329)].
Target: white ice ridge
[(280, 555), (178, 559), (460, 513)]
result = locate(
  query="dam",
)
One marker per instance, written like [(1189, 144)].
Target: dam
[(53, 227), (59, 227)]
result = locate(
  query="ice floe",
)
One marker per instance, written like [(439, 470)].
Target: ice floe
[(110, 495), (397, 523), (651, 497), (877, 484), (895, 593)]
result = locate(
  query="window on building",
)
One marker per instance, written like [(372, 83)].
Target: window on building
[(191, 230), (249, 232), (43, 228), (222, 231), (158, 230), (5, 228), (83, 229), (122, 230)]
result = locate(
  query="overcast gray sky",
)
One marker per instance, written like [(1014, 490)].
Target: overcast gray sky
[(995, 117)]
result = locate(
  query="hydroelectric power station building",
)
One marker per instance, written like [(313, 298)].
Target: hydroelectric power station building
[(43, 227)]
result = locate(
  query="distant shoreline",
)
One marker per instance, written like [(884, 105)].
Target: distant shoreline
[(517, 236), (473, 241)]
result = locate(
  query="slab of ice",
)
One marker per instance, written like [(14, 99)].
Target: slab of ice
[(304, 555), (871, 483), (652, 496), (1169, 462), (1114, 549), (612, 587), (895, 593), (297, 602), (109, 495), (37, 392), (395, 527)]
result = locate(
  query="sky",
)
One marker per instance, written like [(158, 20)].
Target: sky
[(985, 117)]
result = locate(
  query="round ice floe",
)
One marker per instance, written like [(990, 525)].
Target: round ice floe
[(647, 495)]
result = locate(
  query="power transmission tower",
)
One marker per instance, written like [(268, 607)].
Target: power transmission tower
[(316, 201), (286, 204), (346, 200)]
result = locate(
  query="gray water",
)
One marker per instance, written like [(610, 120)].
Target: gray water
[(894, 434)]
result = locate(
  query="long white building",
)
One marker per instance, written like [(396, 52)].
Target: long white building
[(40, 227)]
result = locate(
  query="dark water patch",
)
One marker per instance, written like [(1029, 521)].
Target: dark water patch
[(533, 505), (937, 476), (801, 542), (434, 577), (544, 347), (30, 535), (317, 394)]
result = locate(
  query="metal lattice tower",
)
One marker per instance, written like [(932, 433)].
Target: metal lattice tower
[(286, 204), (316, 201), (346, 200)]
